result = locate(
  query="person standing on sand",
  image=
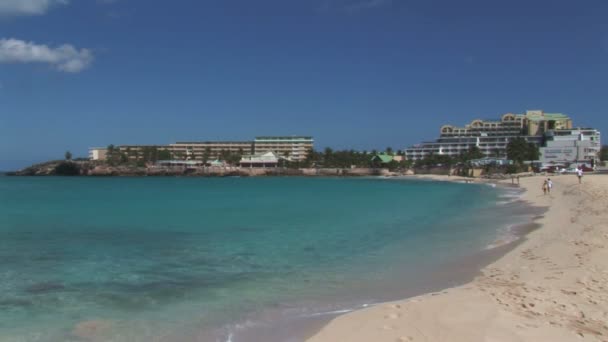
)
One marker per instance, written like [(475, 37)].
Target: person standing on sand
[(545, 187), (549, 185), (579, 173)]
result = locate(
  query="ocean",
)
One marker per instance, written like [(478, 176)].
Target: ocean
[(231, 259)]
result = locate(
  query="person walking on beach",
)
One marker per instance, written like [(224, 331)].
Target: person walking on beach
[(579, 173), (549, 185), (545, 187)]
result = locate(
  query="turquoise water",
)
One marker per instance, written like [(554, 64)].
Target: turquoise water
[(192, 259)]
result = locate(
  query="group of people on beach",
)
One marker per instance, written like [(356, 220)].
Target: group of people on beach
[(548, 183)]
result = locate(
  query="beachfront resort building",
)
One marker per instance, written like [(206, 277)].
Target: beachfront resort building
[(567, 146), (293, 148), (265, 159), (209, 149), (97, 153), (491, 136), (134, 152)]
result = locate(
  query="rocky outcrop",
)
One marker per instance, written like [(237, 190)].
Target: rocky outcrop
[(105, 170), (52, 168)]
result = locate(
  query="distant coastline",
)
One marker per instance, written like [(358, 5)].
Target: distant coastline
[(99, 169), (87, 168)]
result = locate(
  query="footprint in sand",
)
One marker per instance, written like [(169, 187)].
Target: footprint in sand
[(392, 316)]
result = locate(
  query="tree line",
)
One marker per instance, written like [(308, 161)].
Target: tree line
[(518, 150), (329, 158)]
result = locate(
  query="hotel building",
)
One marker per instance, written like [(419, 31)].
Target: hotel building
[(294, 148), (566, 146), (97, 153), (133, 152), (491, 136), (213, 149)]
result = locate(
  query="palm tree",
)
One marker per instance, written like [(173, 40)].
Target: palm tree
[(206, 154)]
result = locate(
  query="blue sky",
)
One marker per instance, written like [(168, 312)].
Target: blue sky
[(359, 74)]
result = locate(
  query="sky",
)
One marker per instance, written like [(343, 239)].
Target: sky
[(360, 74)]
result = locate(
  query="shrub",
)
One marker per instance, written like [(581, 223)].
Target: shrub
[(512, 169), (67, 169)]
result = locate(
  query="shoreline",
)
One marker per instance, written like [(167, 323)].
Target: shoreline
[(451, 273), (548, 286)]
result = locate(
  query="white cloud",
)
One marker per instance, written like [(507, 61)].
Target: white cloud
[(64, 57), (27, 7)]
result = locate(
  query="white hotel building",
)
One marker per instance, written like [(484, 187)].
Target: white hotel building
[(294, 148), (566, 146), (491, 136)]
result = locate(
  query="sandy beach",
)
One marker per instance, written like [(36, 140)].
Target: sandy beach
[(553, 286)]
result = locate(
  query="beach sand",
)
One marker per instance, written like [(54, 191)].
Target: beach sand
[(551, 287)]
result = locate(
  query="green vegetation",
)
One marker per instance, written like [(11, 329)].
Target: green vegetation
[(139, 157), (148, 154), (67, 168), (68, 155), (512, 169), (347, 159), (519, 151), (604, 153), (339, 159), (473, 153), (232, 158), (164, 155), (206, 154), (435, 160)]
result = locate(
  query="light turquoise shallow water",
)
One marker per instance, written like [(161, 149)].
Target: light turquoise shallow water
[(172, 259)]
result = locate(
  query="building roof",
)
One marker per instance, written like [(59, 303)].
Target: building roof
[(384, 158), (265, 157), (542, 116)]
